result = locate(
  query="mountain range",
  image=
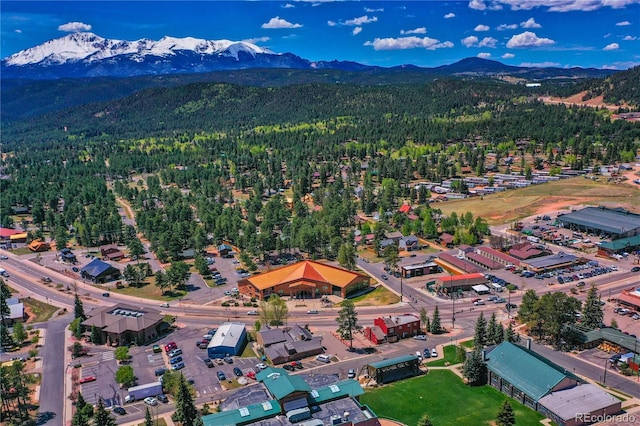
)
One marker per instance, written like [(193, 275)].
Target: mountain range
[(82, 55)]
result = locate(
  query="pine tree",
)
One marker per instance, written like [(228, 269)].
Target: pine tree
[(148, 421), (510, 335), (102, 416), (6, 339), (186, 412), (473, 368), (425, 421), (78, 308), (435, 322), (5, 293), (495, 331), (480, 337), (592, 314), (347, 321), (506, 416)]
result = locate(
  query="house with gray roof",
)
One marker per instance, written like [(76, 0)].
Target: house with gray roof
[(289, 343), (98, 271)]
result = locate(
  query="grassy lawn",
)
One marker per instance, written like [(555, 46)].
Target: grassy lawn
[(21, 251), (149, 291), (515, 204), (156, 422), (446, 399), (41, 311), (379, 296), (467, 344), (450, 356), (248, 352)]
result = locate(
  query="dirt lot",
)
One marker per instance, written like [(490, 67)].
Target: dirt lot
[(577, 100)]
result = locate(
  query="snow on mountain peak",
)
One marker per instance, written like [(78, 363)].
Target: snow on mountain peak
[(89, 47)]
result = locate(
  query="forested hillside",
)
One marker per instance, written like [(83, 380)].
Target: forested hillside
[(618, 89), (178, 154)]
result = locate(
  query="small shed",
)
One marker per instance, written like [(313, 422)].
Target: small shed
[(481, 289)]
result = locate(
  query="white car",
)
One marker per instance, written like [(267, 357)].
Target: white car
[(252, 313), (420, 337), (434, 353), (261, 366), (150, 401)]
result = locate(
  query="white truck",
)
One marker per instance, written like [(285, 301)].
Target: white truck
[(137, 393)]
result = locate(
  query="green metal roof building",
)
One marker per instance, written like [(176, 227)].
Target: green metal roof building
[(390, 370), (525, 375), (243, 416)]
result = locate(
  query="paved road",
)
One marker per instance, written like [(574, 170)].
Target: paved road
[(590, 370), (52, 398)]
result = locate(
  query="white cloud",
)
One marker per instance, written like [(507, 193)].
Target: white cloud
[(257, 40), (477, 4), (540, 64), (528, 39), (403, 43), (488, 42), (623, 24), (361, 20), (630, 38), (449, 15), (470, 41), (369, 10), (287, 6), (612, 46), (503, 27), (508, 56), (332, 23), (550, 5), (74, 27), (530, 23), (19, 31), (421, 30), (356, 30), (481, 27), (277, 22), (484, 55), (607, 35)]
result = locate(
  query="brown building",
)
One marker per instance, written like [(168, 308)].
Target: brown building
[(306, 279), (121, 324)]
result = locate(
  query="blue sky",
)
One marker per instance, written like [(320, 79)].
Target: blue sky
[(561, 33)]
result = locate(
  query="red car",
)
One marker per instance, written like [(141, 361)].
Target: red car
[(170, 346), (88, 379), (251, 375)]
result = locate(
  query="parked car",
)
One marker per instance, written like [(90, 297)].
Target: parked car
[(178, 366), (208, 363), (175, 360), (426, 353), (384, 277), (478, 302), (252, 313), (419, 355), (351, 374), (324, 358), (228, 359), (296, 364), (261, 366), (420, 337), (156, 349), (288, 367), (202, 344), (119, 410), (170, 346), (150, 401), (175, 353), (635, 269), (88, 379), (105, 294), (162, 398), (510, 306), (434, 353), (164, 305), (221, 376), (160, 371), (237, 371)]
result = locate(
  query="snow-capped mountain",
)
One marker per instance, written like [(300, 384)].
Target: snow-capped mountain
[(89, 55)]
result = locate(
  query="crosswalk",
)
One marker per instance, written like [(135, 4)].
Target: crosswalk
[(107, 356)]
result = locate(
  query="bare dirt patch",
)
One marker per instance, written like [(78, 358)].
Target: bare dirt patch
[(577, 99)]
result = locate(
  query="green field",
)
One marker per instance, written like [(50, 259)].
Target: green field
[(379, 296), (450, 356), (446, 399), (515, 204)]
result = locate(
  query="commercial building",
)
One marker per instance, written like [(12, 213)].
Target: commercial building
[(288, 343), (550, 262), (304, 280), (391, 329), (390, 370), (98, 271), (614, 339), (609, 248), (630, 298), (617, 223), (543, 386), (281, 399), (122, 324), (230, 339), (457, 283)]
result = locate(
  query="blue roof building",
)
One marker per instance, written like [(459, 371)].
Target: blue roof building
[(98, 271)]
